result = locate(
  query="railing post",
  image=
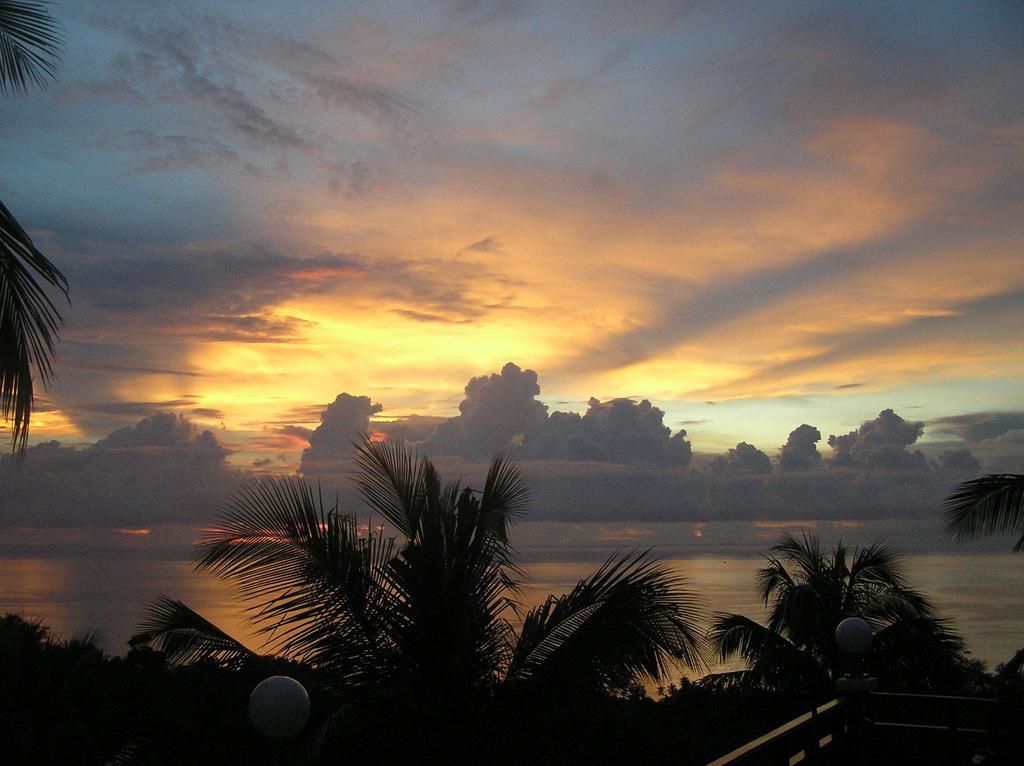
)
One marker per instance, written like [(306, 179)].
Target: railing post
[(811, 738), (951, 717), (854, 692)]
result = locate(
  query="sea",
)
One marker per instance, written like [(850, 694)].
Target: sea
[(90, 587)]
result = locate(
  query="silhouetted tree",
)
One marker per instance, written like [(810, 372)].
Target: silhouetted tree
[(418, 624), (808, 592), (992, 504), (30, 47)]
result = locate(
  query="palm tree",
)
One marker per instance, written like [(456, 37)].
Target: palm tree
[(30, 47), (808, 592), (992, 504), (423, 620)]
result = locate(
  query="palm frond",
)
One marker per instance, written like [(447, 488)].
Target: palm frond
[(772, 579), (458, 579), (319, 590), (1013, 668), (877, 564), (992, 504), (631, 619), (391, 479), (735, 634), (731, 679), (805, 553), (937, 651), (28, 323), (505, 495), (773, 662), (186, 636), (30, 45)]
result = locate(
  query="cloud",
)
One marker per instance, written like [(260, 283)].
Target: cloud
[(1013, 436), (218, 280), (341, 424), (485, 245), (724, 300), (976, 427), (162, 152), (572, 87), (879, 443), (982, 321), (257, 82), (381, 105), (616, 431), (298, 432), (742, 459), (800, 451), (135, 409), (409, 428), (163, 430), (208, 412), (499, 411), (959, 460), (581, 491), (162, 470)]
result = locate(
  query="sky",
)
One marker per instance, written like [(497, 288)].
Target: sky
[(751, 215)]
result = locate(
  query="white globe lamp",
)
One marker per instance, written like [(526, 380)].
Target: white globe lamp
[(854, 636), (279, 707)]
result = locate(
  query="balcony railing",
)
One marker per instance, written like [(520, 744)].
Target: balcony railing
[(812, 737), (883, 728)]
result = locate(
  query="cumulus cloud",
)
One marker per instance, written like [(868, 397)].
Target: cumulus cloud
[(499, 411), (800, 451), (162, 470), (409, 428), (743, 458), (579, 491), (616, 431), (879, 443), (976, 427), (340, 425), (163, 429), (959, 460), (1013, 436)]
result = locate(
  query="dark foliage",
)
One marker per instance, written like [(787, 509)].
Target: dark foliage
[(808, 592), (30, 47), (992, 504), (65, 702), (413, 634)]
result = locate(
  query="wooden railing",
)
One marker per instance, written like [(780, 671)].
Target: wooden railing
[(943, 729), (811, 738), (883, 728)]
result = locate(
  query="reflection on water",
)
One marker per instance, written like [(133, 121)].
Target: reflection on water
[(983, 594)]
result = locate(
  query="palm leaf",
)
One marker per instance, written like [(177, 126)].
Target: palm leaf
[(30, 45), (631, 619), (992, 504), (773, 662), (735, 634), (186, 636), (505, 495), (391, 480), (318, 590), (28, 323), (457, 578)]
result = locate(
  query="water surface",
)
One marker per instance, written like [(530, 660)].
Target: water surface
[(982, 593)]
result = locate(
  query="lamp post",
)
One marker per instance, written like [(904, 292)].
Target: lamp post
[(854, 637), (279, 709)]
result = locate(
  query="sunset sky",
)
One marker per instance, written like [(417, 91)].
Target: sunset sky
[(755, 215)]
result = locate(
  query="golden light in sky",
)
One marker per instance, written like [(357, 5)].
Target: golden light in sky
[(641, 213)]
